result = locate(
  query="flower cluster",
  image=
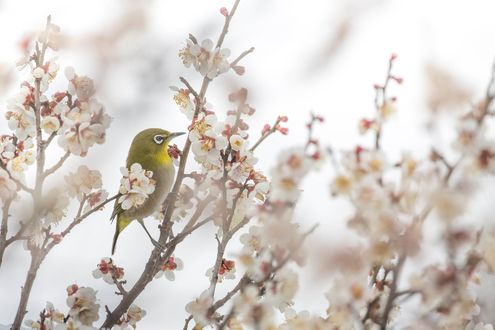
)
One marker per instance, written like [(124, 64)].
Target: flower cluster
[(74, 115), (135, 186), (82, 183), (108, 271), (208, 60), (82, 304)]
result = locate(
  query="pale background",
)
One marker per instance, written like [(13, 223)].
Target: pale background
[(321, 56)]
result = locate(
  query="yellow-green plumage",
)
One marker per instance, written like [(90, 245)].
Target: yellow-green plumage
[(152, 156)]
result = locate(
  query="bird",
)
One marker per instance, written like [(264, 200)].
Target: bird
[(149, 148)]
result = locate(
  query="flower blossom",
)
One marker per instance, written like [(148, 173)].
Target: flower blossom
[(226, 271), (83, 182), (20, 115), (108, 271), (45, 74), (207, 141), (135, 186), (183, 100), (199, 308), (83, 126), (82, 304), (169, 267), (8, 187), (207, 61)]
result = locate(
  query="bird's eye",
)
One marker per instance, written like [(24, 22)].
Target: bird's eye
[(158, 139)]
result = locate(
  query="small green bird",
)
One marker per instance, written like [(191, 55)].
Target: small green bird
[(150, 149)]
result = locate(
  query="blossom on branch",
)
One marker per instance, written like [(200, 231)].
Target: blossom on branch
[(135, 186)]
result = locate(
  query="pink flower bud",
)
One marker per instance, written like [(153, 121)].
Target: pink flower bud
[(283, 119), (283, 130), (224, 11), (393, 56), (71, 289), (399, 80), (266, 129), (56, 238)]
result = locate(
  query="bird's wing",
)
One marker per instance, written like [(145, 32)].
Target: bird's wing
[(117, 209)]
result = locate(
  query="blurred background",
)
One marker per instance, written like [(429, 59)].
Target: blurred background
[(311, 56)]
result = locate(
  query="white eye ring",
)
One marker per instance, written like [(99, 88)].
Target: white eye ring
[(158, 139)]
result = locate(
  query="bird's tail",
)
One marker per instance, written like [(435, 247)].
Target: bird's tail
[(122, 222)]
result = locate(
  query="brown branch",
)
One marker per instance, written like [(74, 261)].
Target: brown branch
[(39, 254), (189, 87), (219, 303), (156, 256), (240, 57), (4, 228), (55, 167), (186, 324), (393, 292), (120, 285)]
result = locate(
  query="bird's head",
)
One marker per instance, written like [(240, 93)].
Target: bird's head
[(152, 143)]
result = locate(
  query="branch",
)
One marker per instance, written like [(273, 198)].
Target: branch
[(393, 292), (55, 167), (120, 285), (240, 57), (18, 182), (4, 228), (189, 87), (156, 256), (272, 130)]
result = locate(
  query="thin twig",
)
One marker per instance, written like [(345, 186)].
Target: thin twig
[(240, 57), (272, 130), (189, 87), (55, 167)]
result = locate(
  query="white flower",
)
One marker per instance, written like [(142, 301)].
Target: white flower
[(7, 186), (207, 141), (251, 240), (82, 303), (83, 182), (199, 307), (50, 124), (225, 271), (243, 168), (135, 314), (206, 60), (56, 211), (169, 267), (80, 86), (95, 199), (7, 148), (184, 102), (237, 142), (18, 165), (45, 74), (108, 271), (20, 117), (135, 186), (83, 126)]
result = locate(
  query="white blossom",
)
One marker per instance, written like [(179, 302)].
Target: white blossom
[(135, 186)]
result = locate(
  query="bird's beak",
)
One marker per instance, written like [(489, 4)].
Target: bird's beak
[(174, 135)]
